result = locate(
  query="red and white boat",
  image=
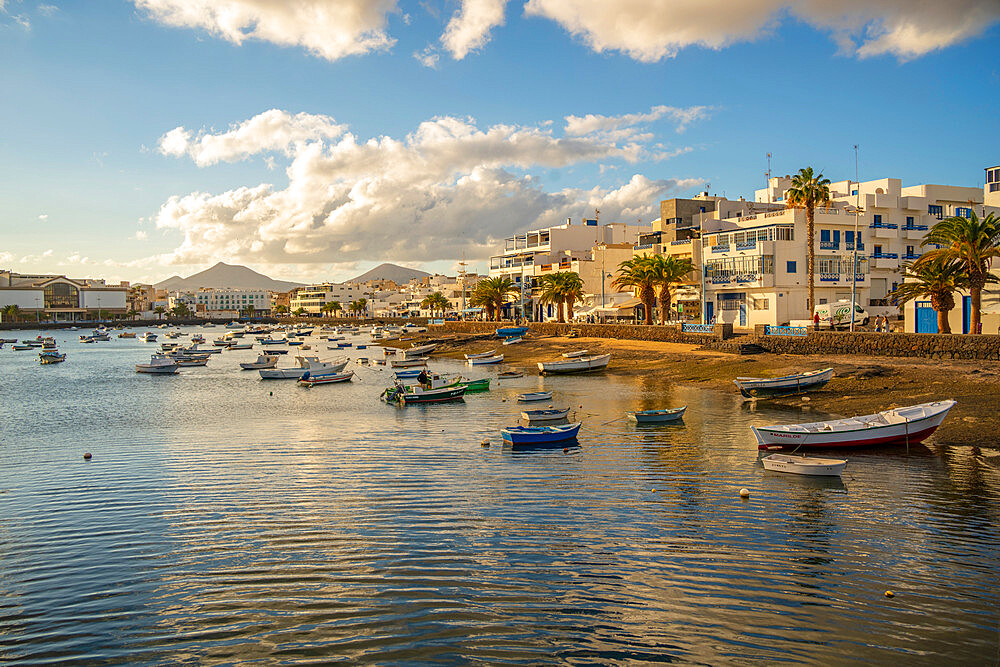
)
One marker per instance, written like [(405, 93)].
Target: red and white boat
[(909, 425)]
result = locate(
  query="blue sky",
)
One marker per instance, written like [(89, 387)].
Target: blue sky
[(316, 149)]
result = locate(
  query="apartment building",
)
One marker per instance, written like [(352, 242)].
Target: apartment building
[(312, 298), (224, 301)]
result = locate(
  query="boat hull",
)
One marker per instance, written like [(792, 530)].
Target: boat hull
[(454, 393), (533, 416), (540, 435), (580, 365), (786, 386), (811, 467), (534, 396), (657, 416)]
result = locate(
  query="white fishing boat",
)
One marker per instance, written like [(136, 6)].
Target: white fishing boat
[(534, 396), (547, 415), (898, 426), (578, 365), (657, 416), (513, 340), (190, 361), (240, 346), (482, 355), (308, 379), (148, 337), (485, 361), (263, 361), (783, 386), (406, 363), (575, 355), (418, 351), (804, 465), (158, 365), (303, 364)]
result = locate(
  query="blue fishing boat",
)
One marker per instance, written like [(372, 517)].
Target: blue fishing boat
[(511, 332), (540, 435), (657, 416), (412, 373)]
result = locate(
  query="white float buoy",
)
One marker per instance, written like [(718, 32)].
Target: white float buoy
[(744, 493)]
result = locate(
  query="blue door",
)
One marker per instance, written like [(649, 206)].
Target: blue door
[(709, 312), (926, 318), (743, 314), (966, 313)]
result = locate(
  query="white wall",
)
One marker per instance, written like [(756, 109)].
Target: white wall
[(110, 299), (22, 298)]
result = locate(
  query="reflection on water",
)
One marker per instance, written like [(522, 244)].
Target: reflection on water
[(228, 519)]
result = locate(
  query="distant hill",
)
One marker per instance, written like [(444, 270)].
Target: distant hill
[(226, 275), (397, 274)]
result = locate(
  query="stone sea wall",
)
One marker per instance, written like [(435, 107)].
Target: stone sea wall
[(666, 334)]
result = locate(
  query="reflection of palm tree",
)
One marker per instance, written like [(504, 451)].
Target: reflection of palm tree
[(937, 281), (808, 192), (639, 274), (971, 243)]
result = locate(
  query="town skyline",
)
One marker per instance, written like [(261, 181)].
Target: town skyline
[(280, 153)]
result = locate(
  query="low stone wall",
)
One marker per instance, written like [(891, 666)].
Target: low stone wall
[(928, 346), (670, 333)]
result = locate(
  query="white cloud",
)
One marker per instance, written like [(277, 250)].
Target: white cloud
[(469, 29), (43, 217), (330, 29), (650, 30), (6, 256), (446, 188), (141, 235), (428, 57), (625, 125)]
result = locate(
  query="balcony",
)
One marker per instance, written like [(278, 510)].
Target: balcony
[(829, 245), (884, 230), (914, 231), (885, 260), (681, 242), (850, 246), (746, 245), (644, 246), (911, 256), (829, 277), (720, 248)]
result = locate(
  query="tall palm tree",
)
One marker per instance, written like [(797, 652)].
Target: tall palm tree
[(159, 310), (935, 280), (495, 291), (12, 312), (481, 299), (809, 191), (249, 310), (335, 307), (638, 274), (362, 307), (436, 301), (281, 309), (549, 290), (327, 308), (299, 312), (971, 243), (669, 270), (132, 314), (571, 286)]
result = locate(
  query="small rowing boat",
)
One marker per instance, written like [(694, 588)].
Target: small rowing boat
[(512, 341), (485, 361), (657, 416), (534, 396), (540, 435), (309, 380), (783, 386), (804, 465), (509, 375), (406, 363), (578, 365), (481, 355), (552, 414), (575, 355)]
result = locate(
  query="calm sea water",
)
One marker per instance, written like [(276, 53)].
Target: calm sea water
[(218, 523)]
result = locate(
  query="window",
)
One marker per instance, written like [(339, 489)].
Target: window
[(878, 250), (909, 221), (963, 212), (849, 237), (854, 193), (824, 235), (935, 209), (836, 236), (790, 268), (909, 251), (877, 218)]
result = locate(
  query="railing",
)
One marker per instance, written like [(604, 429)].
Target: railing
[(912, 255), (914, 228), (785, 331), (829, 277), (644, 246), (720, 248), (773, 214), (720, 280), (849, 245), (680, 242), (829, 245), (698, 328), (746, 245), (747, 278), (748, 217), (885, 255), (883, 225)]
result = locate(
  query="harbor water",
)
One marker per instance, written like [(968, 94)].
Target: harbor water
[(226, 519)]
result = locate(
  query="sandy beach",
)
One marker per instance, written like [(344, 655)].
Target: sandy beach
[(862, 385)]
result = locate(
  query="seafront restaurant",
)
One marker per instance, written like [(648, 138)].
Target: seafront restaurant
[(61, 299)]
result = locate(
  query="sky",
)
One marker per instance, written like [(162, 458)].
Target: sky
[(314, 139)]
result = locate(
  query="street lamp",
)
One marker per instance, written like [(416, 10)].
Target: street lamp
[(857, 242), (38, 307)]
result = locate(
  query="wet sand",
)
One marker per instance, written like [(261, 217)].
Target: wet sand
[(862, 385)]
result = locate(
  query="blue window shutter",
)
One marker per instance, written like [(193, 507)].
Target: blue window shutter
[(791, 267)]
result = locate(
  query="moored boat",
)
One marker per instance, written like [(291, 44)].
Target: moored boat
[(51, 357), (439, 390), (510, 332), (475, 386), (418, 351), (148, 337), (783, 386), (908, 425), (575, 355), (540, 435), (485, 361), (534, 396), (547, 415), (513, 340), (309, 380), (127, 334), (657, 416), (482, 355), (578, 365), (304, 364), (406, 363), (263, 361), (509, 375), (158, 365), (804, 465)]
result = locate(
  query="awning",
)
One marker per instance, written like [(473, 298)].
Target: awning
[(631, 303)]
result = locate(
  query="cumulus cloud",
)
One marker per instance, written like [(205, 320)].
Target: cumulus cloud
[(469, 29), (43, 217), (627, 125), (330, 29), (650, 30), (447, 187)]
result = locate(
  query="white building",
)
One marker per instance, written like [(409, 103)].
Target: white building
[(311, 299), (60, 298), (225, 301)]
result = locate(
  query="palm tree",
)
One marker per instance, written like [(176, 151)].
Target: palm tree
[(159, 310), (971, 243), (669, 270), (808, 192), (249, 310), (549, 291), (572, 290), (12, 312), (327, 308), (362, 306), (280, 310), (638, 273), (934, 280), (335, 307), (132, 314), (299, 312), (480, 299), (181, 310), (436, 301), (496, 290)]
